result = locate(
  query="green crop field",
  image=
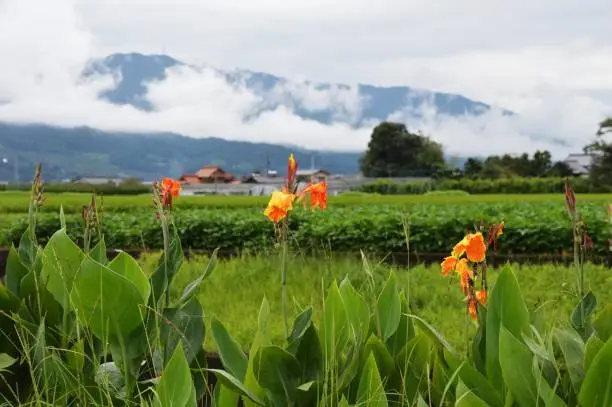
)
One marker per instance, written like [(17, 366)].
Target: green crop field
[(17, 202), (247, 280), (534, 224)]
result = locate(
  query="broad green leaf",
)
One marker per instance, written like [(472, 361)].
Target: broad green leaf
[(61, 261), (413, 362), (277, 371), (404, 332), (335, 324), (603, 323), (125, 265), (479, 343), (474, 380), (108, 376), (106, 301), (546, 393), (388, 308), (233, 358), (596, 390), (465, 397), (431, 332), (262, 338), (27, 249), (300, 325), (309, 355), (591, 349), (572, 348), (357, 311), (9, 302), (383, 358), (507, 307), (420, 402), (516, 366), (371, 392), (581, 315), (192, 287), (175, 385), (15, 271), (98, 252), (235, 385), (183, 325), (6, 361), (344, 402)]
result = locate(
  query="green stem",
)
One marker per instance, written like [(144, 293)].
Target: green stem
[(284, 275), (165, 233)]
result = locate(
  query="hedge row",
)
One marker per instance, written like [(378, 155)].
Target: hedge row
[(484, 186), (103, 189), (531, 228)]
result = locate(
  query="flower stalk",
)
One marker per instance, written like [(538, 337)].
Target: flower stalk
[(280, 204)]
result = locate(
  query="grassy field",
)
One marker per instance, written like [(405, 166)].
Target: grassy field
[(235, 290), (17, 202)]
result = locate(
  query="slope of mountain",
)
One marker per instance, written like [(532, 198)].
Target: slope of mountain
[(134, 70), (85, 151), (67, 153)]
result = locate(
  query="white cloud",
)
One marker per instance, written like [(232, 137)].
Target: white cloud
[(549, 61)]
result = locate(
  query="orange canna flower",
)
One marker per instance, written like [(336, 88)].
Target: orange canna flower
[(170, 188), (448, 265), (481, 296), (465, 276), (500, 229), (476, 248), (291, 173), (278, 207), (460, 247), (318, 194), (473, 309)]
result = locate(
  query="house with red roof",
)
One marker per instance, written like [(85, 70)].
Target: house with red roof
[(208, 175)]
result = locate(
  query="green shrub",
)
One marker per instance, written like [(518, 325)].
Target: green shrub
[(531, 228), (485, 186), (451, 192)]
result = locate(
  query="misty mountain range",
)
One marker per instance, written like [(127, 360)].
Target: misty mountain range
[(70, 152)]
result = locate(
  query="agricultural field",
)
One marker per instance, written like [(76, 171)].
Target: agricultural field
[(534, 224), (309, 324)]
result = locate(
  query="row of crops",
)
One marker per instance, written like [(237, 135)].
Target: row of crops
[(530, 227)]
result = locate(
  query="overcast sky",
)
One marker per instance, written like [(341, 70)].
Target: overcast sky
[(548, 60)]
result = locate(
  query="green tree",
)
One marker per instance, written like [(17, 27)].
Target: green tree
[(472, 167), (541, 163), (393, 151), (601, 150)]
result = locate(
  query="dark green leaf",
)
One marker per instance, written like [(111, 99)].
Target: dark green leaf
[(388, 308), (507, 307), (596, 390), (235, 385), (232, 356), (516, 366), (15, 271), (192, 287)]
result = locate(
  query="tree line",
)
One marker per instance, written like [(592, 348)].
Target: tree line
[(394, 151)]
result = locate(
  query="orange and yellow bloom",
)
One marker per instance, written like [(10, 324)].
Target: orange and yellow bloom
[(467, 259), (318, 194), (279, 206), (281, 202), (170, 188)]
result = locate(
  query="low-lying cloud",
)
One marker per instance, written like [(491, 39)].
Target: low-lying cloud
[(46, 46)]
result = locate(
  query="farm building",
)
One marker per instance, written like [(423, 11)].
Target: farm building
[(208, 175)]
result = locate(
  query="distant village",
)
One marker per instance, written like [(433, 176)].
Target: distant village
[(213, 179)]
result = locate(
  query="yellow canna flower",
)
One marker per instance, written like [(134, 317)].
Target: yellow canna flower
[(280, 204)]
